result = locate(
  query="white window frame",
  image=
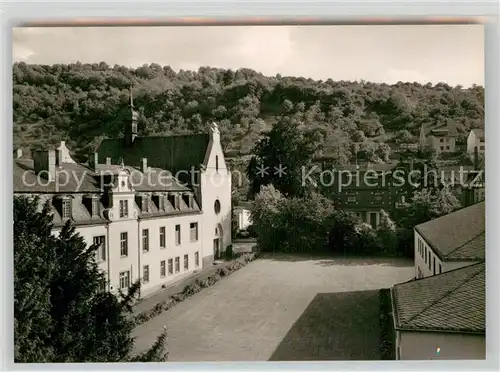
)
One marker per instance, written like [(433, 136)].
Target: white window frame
[(124, 244)]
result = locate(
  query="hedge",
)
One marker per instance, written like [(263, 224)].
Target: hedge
[(195, 287)]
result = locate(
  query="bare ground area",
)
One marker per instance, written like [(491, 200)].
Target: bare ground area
[(282, 308)]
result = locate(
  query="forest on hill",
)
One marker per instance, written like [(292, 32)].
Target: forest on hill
[(84, 103)]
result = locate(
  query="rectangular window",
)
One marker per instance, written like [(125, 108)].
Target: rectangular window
[(197, 259), (193, 231), (178, 234), (161, 203), (481, 148), (425, 254), (124, 244), (95, 207), (145, 240), (177, 264), (123, 208), (440, 269), (351, 199), (434, 265), (170, 266), (441, 140), (100, 253), (447, 147), (124, 279), (162, 237), (186, 262), (162, 269), (373, 220), (66, 208), (429, 259), (145, 274)]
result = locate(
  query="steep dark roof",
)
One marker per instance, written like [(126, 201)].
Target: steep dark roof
[(457, 236), (453, 301), (173, 153)]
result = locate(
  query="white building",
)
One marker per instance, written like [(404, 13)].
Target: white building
[(159, 206), (450, 242), (243, 216), (475, 139), (441, 316)]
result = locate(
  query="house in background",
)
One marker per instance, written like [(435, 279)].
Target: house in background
[(475, 140), (450, 242), (442, 140), (441, 316)]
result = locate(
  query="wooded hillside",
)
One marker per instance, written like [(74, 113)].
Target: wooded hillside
[(83, 103)]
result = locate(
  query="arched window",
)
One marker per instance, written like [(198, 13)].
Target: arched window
[(217, 206)]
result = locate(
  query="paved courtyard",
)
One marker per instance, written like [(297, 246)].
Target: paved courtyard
[(282, 308)]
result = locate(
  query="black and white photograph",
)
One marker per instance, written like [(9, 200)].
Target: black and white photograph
[(249, 193)]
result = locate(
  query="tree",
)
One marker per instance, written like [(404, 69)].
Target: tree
[(61, 312), (279, 158)]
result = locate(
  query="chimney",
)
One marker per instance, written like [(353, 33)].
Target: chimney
[(476, 158), (144, 165), (19, 153), (108, 161), (44, 164)]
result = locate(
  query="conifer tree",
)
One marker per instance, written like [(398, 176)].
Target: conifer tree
[(62, 313)]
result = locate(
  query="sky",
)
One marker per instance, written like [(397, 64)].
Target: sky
[(452, 54)]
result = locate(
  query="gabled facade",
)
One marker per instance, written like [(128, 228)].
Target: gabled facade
[(450, 242), (441, 140), (150, 224)]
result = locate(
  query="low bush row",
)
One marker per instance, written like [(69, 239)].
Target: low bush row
[(195, 287), (387, 347)]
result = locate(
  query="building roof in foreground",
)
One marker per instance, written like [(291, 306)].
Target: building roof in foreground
[(458, 236), (454, 301)]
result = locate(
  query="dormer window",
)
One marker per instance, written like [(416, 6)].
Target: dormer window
[(66, 208), (188, 200), (95, 206), (123, 208)]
